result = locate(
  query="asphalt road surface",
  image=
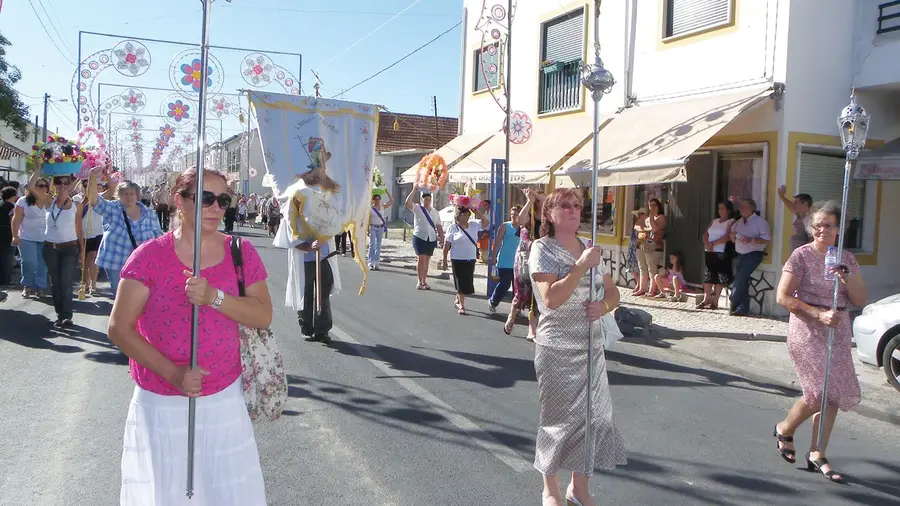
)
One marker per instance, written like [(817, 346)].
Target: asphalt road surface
[(411, 404)]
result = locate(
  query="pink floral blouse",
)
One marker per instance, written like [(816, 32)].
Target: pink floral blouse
[(166, 320)]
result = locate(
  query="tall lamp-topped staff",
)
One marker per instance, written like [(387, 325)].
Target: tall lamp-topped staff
[(198, 218), (853, 124), (599, 82)]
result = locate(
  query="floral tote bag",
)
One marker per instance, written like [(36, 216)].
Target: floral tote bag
[(262, 366)]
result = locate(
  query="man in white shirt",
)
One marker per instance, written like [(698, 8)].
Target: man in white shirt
[(427, 231), (751, 236), (377, 228)]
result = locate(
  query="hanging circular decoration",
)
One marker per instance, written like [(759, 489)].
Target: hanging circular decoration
[(495, 34), (178, 111), (257, 70), (133, 100), (220, 107), (104, 59), (498, 12), (521, 130), (132, 58), (185, 74)]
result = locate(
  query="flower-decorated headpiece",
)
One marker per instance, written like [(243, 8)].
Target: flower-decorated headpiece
[(379, 189), (466, 196), (59, 156), (432, 173), (93, 158)]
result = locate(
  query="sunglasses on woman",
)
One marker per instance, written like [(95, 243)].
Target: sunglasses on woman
[(209, 198), (43, 185), (61, 182)]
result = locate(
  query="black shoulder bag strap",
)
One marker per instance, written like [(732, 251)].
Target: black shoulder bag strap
[(238, 259), (128, 227), (467, 235)]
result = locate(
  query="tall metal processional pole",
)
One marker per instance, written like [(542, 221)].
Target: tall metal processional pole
[(198, 220), (507, 188), (599, 82), (854, 127)]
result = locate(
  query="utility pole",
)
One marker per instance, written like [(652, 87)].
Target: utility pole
[(35, 127), (46, 104), (437, 129)]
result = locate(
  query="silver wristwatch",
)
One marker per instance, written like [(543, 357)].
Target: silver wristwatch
[(220, 298)]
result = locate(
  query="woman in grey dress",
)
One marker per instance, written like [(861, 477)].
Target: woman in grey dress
[(560, 263)]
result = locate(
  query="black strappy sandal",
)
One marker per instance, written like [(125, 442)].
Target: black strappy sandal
[(818, 464), (790, 456)]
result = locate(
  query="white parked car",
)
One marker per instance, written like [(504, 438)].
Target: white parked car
[(877, 335)]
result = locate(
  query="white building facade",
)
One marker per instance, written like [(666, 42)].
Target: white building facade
[(714, 100)]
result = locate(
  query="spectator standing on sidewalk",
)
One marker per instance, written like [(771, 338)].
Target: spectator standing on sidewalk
[(427, 232), (8, 197), (63, 239), (806, 292), (750, 235), (799, 207), (29, 226), (631, 264), (560, 270), (150, 322), (718, 259), (503, 257), (377, 229), (651, 238), (128, 223)]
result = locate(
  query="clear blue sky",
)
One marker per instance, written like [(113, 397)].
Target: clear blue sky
[(318, 30)]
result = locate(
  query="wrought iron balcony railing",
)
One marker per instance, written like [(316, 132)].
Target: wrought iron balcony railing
[(560, 87), (888, 17)]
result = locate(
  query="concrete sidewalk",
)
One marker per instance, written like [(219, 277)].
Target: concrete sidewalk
[(751, 347)]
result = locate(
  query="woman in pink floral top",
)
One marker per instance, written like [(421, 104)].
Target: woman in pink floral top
[(151, 323), (805, 291)]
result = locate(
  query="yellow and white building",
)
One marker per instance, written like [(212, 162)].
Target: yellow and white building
[(715, 99)]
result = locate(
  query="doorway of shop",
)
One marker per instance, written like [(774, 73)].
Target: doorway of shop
[(690, 211)]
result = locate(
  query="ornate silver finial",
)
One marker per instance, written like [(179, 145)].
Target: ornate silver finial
[(596, 78), (853, 123)]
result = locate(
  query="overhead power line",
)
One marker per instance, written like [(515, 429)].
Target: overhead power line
[(414, 51), (335, 57), (54, 26), (41, 21)]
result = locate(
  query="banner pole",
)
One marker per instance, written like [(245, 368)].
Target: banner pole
[(198, 220)]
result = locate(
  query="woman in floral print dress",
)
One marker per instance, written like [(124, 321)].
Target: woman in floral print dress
[(807, 294)]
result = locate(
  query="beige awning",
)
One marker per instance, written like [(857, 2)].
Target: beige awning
[(650, 144), (452, 152), (552, 141)]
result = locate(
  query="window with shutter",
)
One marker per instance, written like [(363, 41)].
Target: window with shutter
[(563, 38), (562, 51), (683, 17), (486, 65), (822, 177)]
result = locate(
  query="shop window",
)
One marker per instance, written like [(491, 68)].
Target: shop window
[(645, 193), (606, 211), (742, 176), (822, 177), (486, 67), (684, 17)]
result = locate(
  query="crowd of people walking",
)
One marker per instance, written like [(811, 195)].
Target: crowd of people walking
[(538, 254)]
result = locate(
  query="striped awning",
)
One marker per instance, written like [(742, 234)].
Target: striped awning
[(8, 151)]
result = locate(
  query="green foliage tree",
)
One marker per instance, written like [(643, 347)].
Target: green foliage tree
[(12, 111)]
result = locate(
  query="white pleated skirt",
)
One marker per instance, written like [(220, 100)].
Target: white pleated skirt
[(154, 454)]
